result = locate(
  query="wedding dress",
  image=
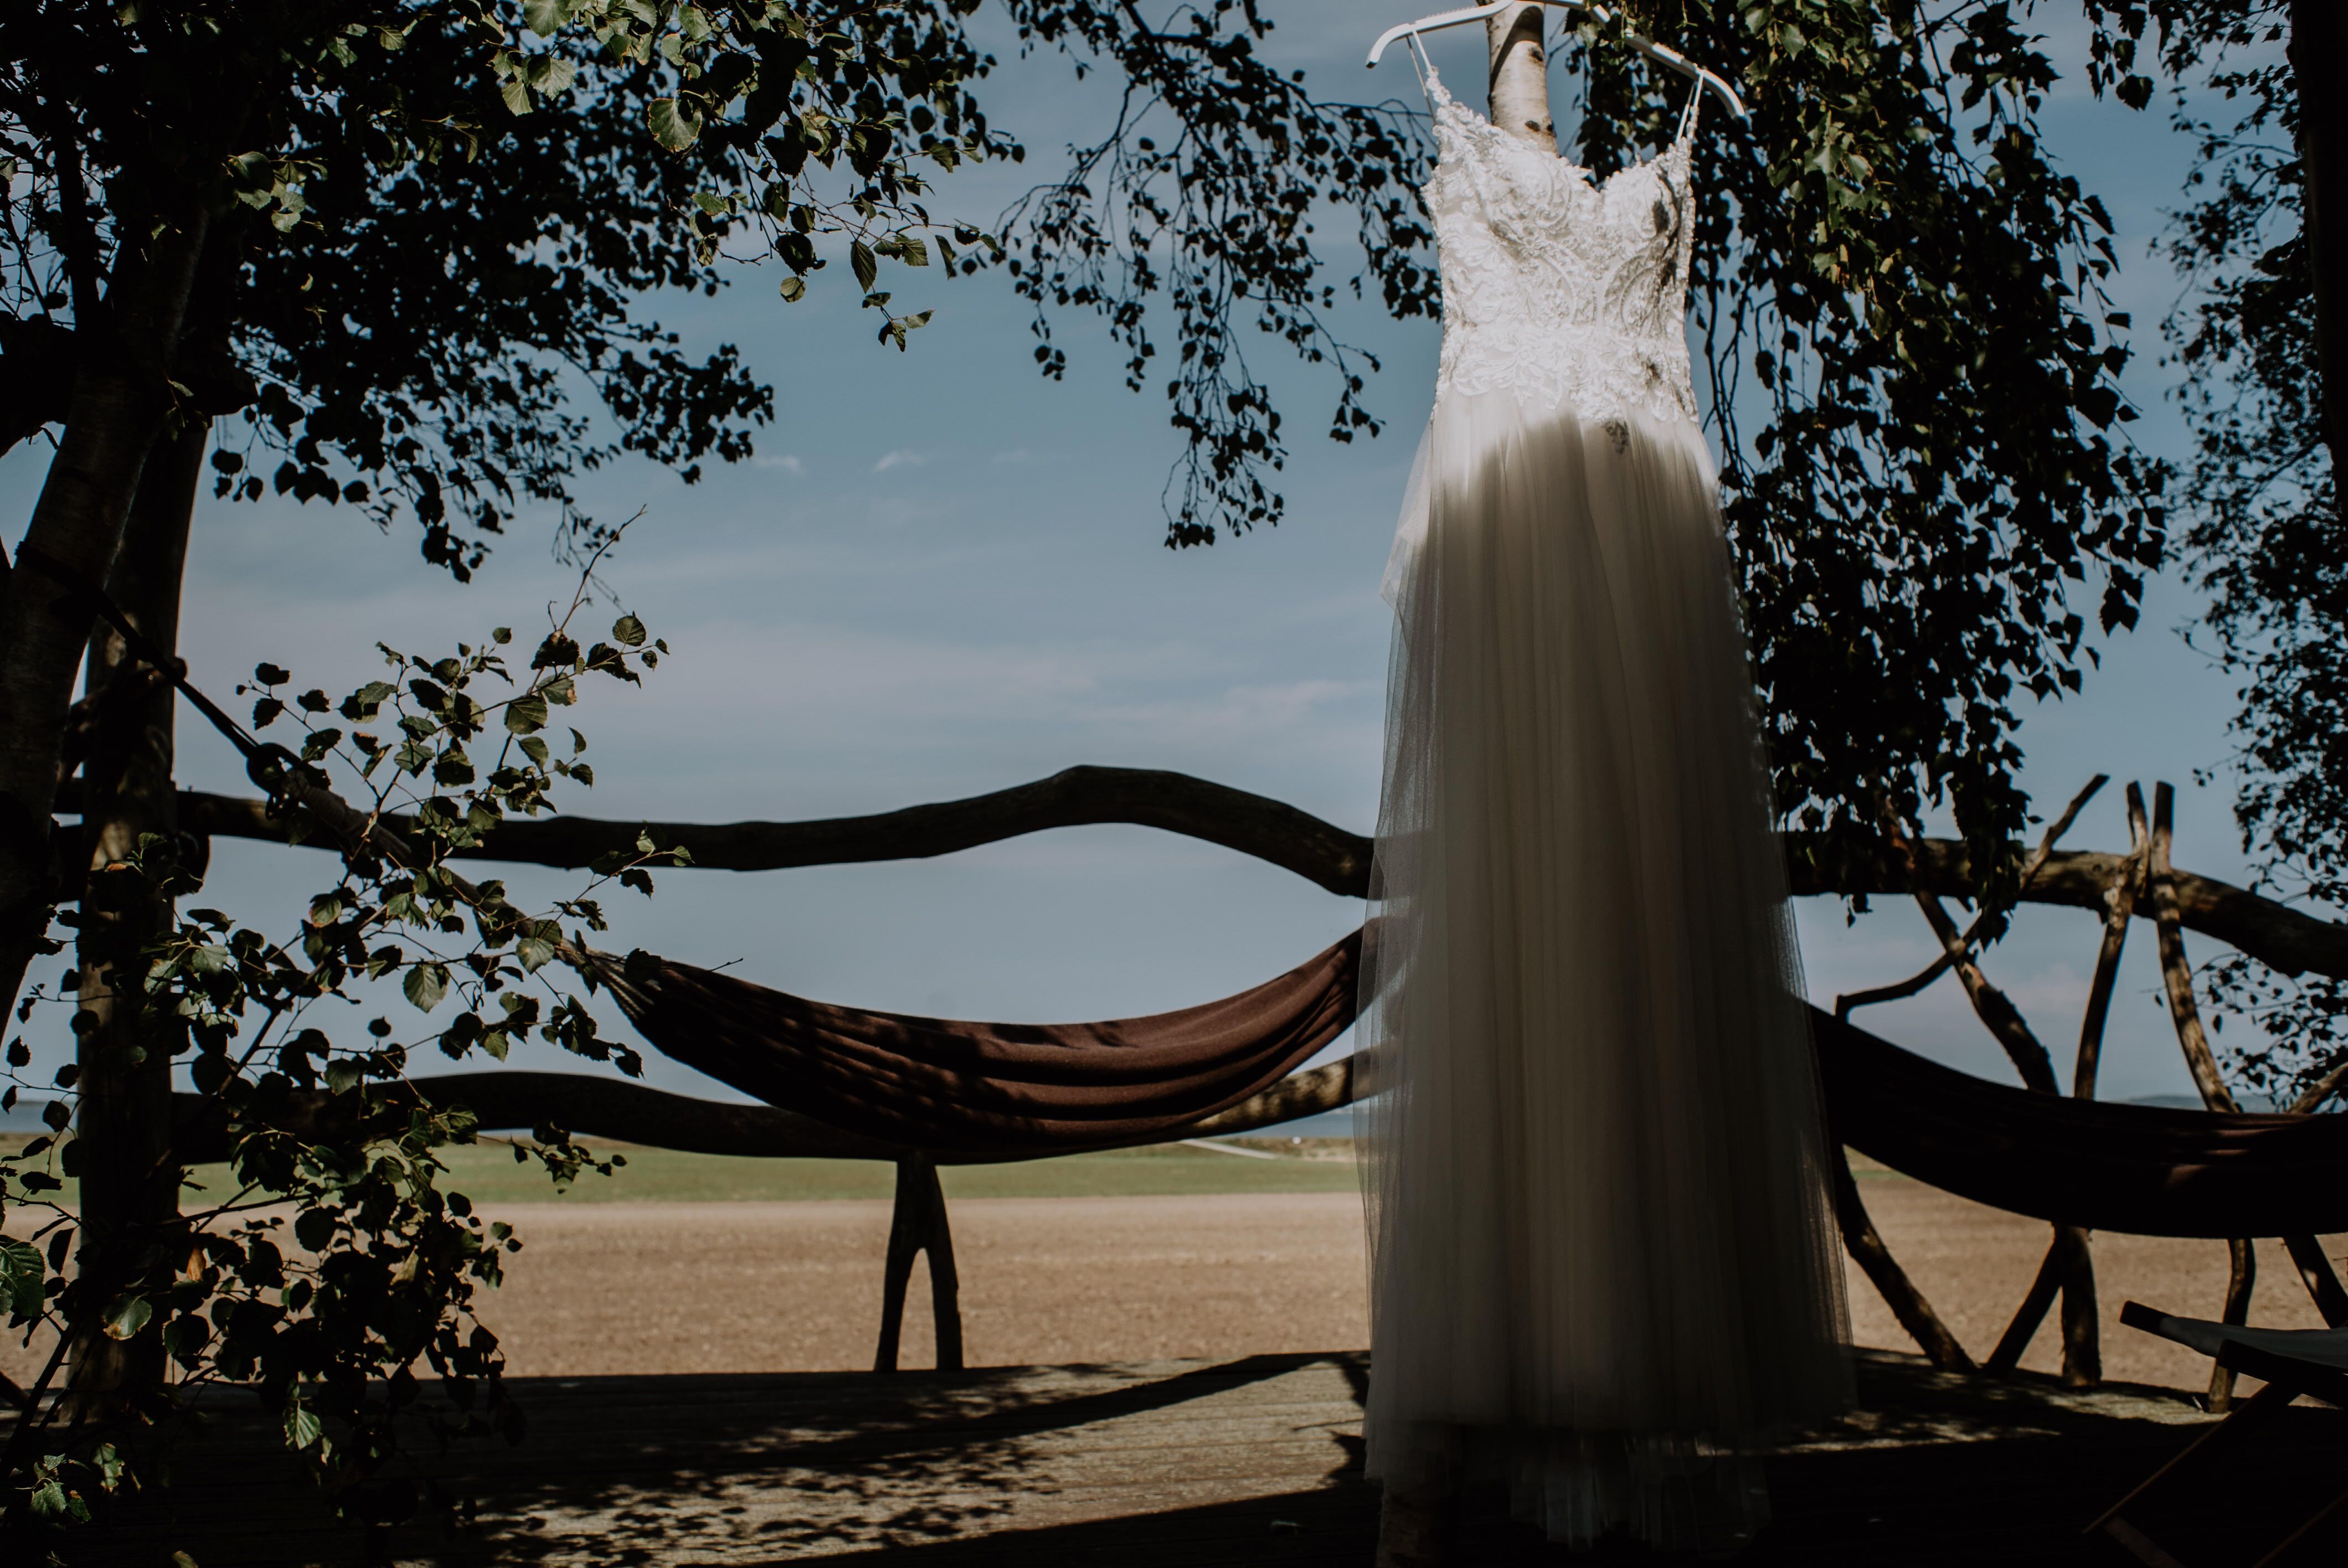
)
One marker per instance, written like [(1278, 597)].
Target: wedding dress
[(1603, 1267)]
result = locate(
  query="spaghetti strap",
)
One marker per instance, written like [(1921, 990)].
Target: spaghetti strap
[(1688, 115), (1429, 84)]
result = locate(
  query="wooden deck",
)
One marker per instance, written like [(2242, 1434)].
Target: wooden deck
[(1154, 1465)]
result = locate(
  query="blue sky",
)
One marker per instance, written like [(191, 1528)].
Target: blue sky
[(943, 575)]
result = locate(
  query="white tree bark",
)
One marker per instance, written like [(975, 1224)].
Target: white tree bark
[(1519, 74)]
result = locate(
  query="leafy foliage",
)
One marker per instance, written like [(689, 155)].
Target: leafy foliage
[(1914, 373), (1204, 190), (333, 1314), (2266, 536), (1901, 297), (471, 296)]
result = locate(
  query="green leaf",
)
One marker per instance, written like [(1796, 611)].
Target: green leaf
[(676, 124), (526, 715), (126, 1316), (535, 953), (545, 17), (630, 631), (425, 986), (21, 1276), (516, 92), (794, 289), (302, 1426), (315, 1229), (860, 257)]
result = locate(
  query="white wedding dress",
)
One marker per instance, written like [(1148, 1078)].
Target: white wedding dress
[(1602, 1265)]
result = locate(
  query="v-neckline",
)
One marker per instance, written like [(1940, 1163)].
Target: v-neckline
[(1589, 179)]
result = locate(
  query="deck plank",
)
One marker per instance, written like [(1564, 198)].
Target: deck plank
[(1171, 1464)]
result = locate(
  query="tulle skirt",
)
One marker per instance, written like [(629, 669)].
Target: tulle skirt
[(1603, 1266)]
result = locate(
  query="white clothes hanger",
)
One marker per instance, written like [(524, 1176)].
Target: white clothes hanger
[(1663, 54)]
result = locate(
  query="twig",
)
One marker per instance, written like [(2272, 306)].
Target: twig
[(1900, 990), (2322, 1090), (2003, 1019)]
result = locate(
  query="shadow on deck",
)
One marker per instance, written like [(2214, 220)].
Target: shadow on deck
[(1155, 1465)]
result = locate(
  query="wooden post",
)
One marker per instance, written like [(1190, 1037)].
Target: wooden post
[(2070, 1257), (2323, 1284), (2119, 912), (918, 1224), (1899, 1292), (2242, 1276), (2177, 978), (2176, 973)]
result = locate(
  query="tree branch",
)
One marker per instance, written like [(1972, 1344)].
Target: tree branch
[(1320, 852)]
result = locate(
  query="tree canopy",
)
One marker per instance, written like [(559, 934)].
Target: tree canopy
[(2264, 535), (404, 256)]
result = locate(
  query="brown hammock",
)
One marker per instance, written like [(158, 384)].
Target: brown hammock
[(959, 1088), (2144, 1170), (954, 1087)]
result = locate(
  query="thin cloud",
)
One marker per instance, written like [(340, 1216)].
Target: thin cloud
[(788, 464), (903, 457)]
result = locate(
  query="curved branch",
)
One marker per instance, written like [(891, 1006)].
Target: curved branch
[(1079, 797), (2276, 934)]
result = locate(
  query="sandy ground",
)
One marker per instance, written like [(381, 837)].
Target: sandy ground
[(783, 1286), (791, 1287)]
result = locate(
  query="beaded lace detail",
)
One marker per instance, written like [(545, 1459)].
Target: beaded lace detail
[(1567, 291)]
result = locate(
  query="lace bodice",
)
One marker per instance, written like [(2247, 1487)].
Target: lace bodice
[(1570, 293)]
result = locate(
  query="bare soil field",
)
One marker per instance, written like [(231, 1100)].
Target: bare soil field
[(778, 1287), (644, 1286)]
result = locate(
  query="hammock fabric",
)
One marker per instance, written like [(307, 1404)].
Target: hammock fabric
[(950, 1086), (2143, 1170), (953, 1087)]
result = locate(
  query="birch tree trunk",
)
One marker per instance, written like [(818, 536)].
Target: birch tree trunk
[(121, 395), (129, 1178), (1519, 74)]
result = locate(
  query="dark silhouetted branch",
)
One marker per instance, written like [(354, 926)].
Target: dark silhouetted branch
[(1321, 852), (1891, 1282)]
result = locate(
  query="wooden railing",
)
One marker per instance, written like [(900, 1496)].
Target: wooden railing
[(2119, 887)]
